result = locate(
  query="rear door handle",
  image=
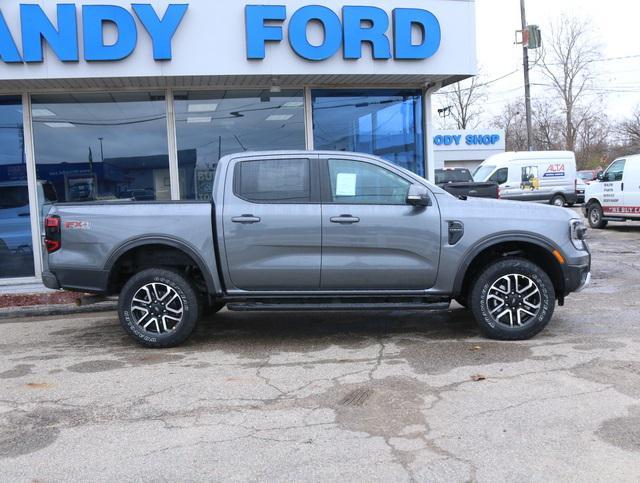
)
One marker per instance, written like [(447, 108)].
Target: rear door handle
[(345, 219), (246, 219)]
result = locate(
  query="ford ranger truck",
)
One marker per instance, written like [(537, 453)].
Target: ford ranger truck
[(316, 231)]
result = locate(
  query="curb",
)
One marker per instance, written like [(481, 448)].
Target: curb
[(49, 310)]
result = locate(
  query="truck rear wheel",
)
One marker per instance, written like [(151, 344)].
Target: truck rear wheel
[(159, 308), (513, 299)]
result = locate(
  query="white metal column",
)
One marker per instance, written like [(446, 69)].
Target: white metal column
[(174, 170), (430, 170), (32, 181), (308, 119)]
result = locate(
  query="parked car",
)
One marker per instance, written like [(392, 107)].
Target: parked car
[(544, 176), (615, 196), (459, 182), (16, 241), (318, 231), (587, 176), (15, 221)]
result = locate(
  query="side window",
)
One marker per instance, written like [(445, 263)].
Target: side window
[(357, 182), (273, 181), (616, 171), (501, 176)]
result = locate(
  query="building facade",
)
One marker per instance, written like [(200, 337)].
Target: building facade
[(116, 100)]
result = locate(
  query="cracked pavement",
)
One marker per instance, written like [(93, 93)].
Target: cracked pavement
[(379, 396)]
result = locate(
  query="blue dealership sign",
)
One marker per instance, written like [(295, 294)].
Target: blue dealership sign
[(62, 35), (468, 140), (359, 25), (390, 35)]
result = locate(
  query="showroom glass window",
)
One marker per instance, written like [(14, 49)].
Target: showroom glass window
[(102, 146), (16, 246), (384, 122), (212, 124)]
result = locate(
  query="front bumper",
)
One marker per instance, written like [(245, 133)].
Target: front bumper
[(577, 277)]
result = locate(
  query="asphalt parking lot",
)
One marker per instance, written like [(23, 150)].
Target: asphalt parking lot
[(323, 397)]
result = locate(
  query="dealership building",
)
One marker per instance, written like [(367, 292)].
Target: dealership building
[(110, 100)]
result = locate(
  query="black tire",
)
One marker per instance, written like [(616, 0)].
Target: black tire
[(483, 302), (558, 200), (187, 302), (596, 217)]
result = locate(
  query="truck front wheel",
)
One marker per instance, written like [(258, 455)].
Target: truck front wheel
[(513, 299), (159, 308)]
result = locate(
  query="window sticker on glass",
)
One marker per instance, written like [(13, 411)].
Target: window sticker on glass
[(346, 184)]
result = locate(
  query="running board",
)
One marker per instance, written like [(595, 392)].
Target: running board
[(613, 218), (336, 307)]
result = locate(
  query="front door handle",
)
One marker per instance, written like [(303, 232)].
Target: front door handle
[(246, 219), (345, 219)]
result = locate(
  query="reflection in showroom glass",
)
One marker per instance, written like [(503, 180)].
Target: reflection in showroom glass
[(384, 122), (16, 246), (212, 124), (103, 146)]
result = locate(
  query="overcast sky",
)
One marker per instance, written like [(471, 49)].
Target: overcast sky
[(615, 22)]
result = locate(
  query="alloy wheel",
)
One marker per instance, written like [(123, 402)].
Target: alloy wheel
[(157, 308), (514, 300)]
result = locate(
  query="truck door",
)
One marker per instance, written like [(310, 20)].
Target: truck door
[(272, 225), (613, 188), (372, 239)]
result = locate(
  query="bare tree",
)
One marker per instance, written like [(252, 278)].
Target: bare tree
[(594, 136), (513, 122), (463, 102), (569, 53), (629, 129), (547, 126)]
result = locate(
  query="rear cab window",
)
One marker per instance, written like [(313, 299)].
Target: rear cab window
[(273, 181)]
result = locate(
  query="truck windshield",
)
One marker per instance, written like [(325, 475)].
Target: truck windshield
[(13, 197), (483, 173)]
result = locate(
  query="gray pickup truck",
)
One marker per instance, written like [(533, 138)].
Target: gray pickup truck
[(318, 231)]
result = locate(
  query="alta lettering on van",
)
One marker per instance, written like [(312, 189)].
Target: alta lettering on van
[(555, 171)]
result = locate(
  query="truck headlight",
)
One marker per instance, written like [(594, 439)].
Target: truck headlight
[(578, 234)]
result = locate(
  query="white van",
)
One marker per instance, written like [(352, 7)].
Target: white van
[(615, 195), (541, 176)]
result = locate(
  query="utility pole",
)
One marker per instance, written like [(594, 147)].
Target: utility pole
[(527, 84)]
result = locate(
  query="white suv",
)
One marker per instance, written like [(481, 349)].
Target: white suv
[(615, 195)]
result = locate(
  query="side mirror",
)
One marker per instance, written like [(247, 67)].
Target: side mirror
[(418, 196), (600, 176)]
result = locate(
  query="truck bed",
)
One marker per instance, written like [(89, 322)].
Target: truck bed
[(97, 231)]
